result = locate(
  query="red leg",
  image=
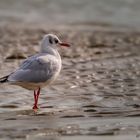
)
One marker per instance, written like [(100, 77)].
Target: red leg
[(36, 96)]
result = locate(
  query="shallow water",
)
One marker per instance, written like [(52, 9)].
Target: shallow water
[(101, 79), (97, 92), (98, 88)]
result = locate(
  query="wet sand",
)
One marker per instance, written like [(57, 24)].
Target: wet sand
[(26, 125), (96, 95)]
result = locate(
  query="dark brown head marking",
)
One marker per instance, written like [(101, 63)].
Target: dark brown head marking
[(50, 40)]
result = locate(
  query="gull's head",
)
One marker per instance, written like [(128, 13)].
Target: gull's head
[(51, 40)]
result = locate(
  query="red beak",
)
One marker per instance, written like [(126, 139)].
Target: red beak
[(64, 44)]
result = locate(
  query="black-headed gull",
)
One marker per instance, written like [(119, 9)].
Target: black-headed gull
[(38, 70)]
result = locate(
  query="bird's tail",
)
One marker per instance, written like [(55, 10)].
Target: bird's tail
[(4, 79)]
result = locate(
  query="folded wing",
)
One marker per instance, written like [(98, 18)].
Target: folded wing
[(35, 69)]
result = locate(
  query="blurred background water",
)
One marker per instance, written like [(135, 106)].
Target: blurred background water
[(116, 12)]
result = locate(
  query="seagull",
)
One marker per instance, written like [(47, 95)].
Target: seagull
[(38, 70)]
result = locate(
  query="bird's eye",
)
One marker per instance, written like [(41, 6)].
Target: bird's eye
[(56, 41), (50, 40)]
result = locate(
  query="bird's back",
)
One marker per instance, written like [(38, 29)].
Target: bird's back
[(37, 71)]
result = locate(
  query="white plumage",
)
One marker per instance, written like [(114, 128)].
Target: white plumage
[(38, 70)]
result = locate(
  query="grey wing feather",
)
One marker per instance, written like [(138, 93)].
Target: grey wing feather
[(33, 70)]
